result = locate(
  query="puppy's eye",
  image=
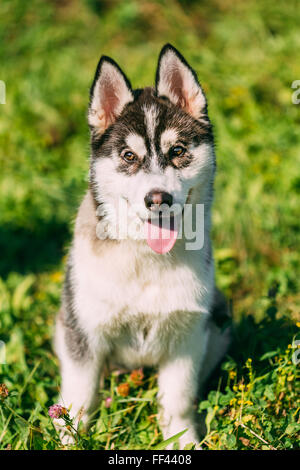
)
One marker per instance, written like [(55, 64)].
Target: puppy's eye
[(129, 156), (177, 151)]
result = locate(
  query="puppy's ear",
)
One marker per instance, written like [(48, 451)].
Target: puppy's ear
[(110, 92), (176, 80)]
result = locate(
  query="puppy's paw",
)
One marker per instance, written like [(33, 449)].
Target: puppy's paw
[(65, 435)]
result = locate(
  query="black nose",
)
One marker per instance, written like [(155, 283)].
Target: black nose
[(156, 198)]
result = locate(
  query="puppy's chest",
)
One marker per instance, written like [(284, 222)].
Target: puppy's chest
[(114, 292)]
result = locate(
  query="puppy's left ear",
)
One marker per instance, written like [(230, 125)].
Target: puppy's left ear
[(110, 92), (176, 80)]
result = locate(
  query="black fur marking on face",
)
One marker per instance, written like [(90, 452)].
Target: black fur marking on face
[(133, 120), (129, 168), (97, 142), (76, 339), (190, 131)]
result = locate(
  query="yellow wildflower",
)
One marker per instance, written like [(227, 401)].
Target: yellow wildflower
[(56, 276)]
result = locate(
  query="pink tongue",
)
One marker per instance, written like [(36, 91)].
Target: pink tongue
[(161, 235)]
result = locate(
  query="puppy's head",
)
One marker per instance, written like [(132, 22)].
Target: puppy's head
[(150, 147)]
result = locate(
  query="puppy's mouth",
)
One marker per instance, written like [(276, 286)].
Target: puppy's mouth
[(161, 232)]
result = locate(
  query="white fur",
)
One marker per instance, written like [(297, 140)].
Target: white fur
[(136, 143), (151, 113), (113, 186), (151, 120), (168, 138)]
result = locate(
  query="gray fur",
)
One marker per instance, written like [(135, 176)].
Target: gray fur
[(76, 339)]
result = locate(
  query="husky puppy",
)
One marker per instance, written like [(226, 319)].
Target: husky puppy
[(143, 300)]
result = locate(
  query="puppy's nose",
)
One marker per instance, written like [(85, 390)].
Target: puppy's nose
[(156, 198)]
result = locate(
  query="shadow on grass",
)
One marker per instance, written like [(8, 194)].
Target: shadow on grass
[(23, 250), (252, 339)]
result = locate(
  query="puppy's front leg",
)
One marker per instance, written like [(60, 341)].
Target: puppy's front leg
[(80, 365), (178, 386)]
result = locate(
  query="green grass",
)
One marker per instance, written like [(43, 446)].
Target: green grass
[(247, 56)]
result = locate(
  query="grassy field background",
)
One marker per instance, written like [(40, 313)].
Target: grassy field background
[(246, 54)]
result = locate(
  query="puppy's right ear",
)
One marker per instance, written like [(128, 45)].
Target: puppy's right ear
[(110, 92)]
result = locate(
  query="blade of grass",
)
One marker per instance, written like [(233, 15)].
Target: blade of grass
[(171, 440)]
